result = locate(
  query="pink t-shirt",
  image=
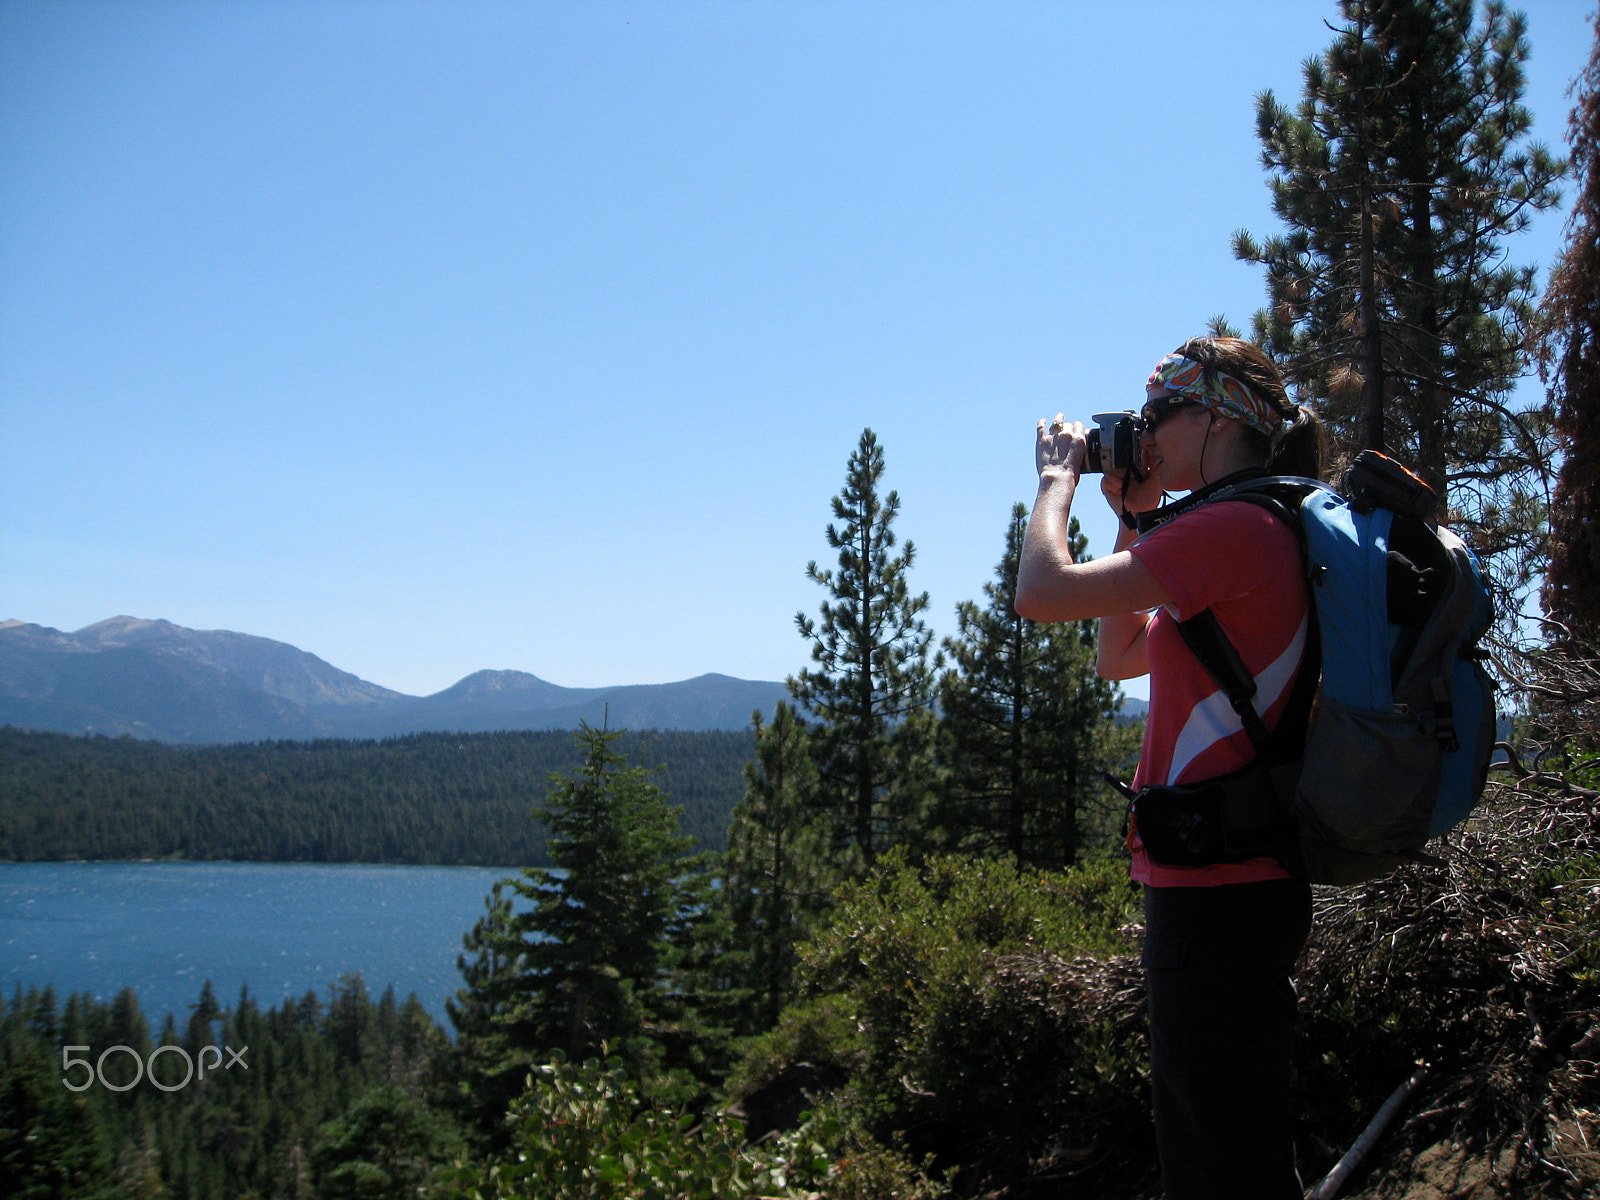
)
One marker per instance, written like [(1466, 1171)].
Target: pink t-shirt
[(1241, 562)]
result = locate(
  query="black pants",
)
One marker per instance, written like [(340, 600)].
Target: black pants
[(1222, 1018)]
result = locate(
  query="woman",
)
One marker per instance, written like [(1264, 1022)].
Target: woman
[(1220, 939)]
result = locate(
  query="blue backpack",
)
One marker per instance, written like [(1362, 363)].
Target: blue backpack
[(1386, 740)]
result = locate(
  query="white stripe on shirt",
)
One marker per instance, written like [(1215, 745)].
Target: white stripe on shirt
[(1214, 719)]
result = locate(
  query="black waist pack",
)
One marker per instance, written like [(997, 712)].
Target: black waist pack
[(1228, 819)]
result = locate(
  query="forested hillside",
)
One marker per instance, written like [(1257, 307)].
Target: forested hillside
[(429, 798), (308, 1093)]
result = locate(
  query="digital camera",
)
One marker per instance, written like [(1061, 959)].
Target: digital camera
[(1114, 444)]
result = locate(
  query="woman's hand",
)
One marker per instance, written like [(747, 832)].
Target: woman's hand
[(1050, 585), (1060, 446), (1141, 495)]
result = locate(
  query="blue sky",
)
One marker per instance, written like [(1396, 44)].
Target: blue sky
[(434, 336)]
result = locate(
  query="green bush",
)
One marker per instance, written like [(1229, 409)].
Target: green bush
[(909, 934), (987, 1015), (580, 1132), (821, 1031)]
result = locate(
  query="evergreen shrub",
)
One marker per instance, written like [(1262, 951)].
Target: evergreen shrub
[(988, 1015), (582, 1132)]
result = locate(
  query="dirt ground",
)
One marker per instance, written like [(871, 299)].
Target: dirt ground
[(1441, 1172), (1449, 1171)]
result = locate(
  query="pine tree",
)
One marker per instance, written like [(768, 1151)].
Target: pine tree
[(1400, 174), (586, 964), (202, 1013), (777, 873), (1027, 727), (490, 1068), (1569, 357), (605, 917), (871, 690), (127, 1025), (348, 1023), (53, 1142)]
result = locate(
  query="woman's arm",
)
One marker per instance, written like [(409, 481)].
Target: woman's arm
[(1052, 587), (1120, 650)]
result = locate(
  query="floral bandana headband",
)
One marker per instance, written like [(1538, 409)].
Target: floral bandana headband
[(1221, 392)]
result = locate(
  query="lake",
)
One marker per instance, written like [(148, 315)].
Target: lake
[(164, 928)]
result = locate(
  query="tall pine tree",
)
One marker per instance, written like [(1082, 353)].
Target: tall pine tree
[(1399, 175), (1027, 727), (777, 873), (1569, 356), (871, 690)]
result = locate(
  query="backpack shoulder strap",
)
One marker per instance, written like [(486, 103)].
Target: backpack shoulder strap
[(1218, 655), (1281, 496)]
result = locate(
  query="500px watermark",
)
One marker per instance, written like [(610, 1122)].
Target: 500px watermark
[(144, 1066)]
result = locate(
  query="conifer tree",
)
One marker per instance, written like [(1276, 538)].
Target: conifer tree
[(1392, 309), (871, 689), (1027, 727), (128, 1026), (1569, 357), (52, 1142), (383, 1147), (202, 1013), (349, 1019), (584, 961), (777, 873)]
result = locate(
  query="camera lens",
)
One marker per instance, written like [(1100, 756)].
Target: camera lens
[(1091, 460)]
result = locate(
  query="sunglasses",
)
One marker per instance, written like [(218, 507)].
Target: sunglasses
[(1158, 410)]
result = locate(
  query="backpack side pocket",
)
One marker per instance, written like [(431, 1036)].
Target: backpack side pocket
[(1399, 771)]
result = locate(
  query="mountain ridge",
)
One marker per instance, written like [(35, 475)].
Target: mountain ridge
[(161, 681)]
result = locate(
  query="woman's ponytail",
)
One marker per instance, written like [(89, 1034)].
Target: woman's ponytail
[(1301, 449)]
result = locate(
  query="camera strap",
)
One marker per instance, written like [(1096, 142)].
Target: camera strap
[(1205, 495)]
